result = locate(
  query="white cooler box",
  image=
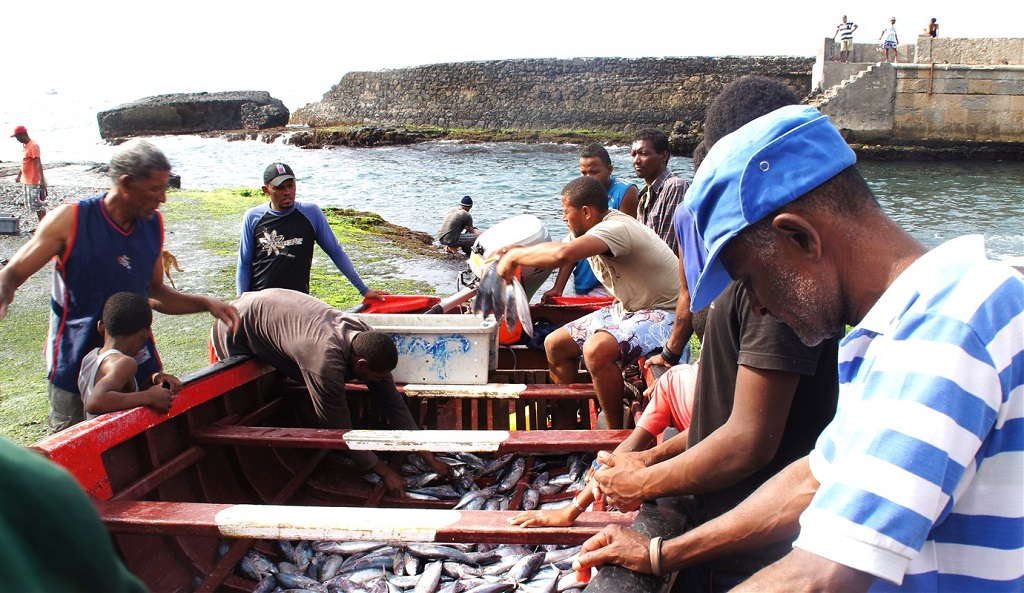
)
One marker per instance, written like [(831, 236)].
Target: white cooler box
[(439, 349)]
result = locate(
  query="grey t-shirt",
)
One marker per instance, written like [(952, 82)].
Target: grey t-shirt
[(308, 341), (456, 221), (639, 268)]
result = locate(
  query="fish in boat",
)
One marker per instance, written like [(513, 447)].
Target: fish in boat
[(233, 467)]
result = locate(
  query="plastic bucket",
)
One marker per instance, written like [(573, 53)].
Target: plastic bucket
[(399, 303), (525, 229)]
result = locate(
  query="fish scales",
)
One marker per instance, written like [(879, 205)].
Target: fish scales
[(437, 552)]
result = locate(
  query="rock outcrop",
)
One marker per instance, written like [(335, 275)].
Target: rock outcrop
[(190, 113)]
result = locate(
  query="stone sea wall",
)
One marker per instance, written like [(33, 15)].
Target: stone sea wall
[(615, 94)]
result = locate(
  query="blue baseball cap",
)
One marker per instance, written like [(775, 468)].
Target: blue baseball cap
[(753, 172)]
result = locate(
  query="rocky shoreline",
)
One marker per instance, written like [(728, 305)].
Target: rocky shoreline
[(682, 141), (68, 182)]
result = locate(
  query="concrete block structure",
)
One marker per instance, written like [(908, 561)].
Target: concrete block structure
[(954, 91)]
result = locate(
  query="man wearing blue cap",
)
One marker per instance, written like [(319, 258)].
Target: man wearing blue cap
[(919, 479), (759, 389), (457, 230)]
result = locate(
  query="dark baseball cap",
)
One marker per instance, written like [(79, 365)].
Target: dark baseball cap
[(277, 173)]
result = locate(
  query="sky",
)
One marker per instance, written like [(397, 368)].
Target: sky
[(121, 51)]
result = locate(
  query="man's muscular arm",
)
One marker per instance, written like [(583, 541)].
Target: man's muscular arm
[(50, 240)]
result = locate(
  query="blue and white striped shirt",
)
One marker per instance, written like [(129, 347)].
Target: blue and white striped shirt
[(845, 31), (922, 470)]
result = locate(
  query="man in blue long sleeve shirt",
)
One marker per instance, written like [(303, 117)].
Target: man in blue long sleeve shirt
[(277, 240)]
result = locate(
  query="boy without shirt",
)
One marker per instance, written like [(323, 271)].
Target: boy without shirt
[(107, 379)]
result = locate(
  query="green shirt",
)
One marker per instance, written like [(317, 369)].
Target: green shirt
[(50, 533)]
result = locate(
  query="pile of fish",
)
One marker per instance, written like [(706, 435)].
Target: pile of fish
[(491, 484), (480, 482), (504, 301), (381, 567)]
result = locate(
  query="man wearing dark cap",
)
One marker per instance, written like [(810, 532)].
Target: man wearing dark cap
[(919, 479), (277, 240), (31, 173), (457, 230)]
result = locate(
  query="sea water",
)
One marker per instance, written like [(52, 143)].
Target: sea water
[(415, 185)]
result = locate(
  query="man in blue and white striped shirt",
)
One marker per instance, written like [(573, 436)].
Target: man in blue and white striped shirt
[(845, 31), (918, 483)]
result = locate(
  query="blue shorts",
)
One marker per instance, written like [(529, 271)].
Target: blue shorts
[(889, 45), (637, 333)]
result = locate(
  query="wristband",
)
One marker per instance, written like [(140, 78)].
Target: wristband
[(670, 357), (576, 504), (655, 551)]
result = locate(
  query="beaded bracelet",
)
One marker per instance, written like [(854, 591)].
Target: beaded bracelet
[(576, 504), (656, 556), (670, 357)]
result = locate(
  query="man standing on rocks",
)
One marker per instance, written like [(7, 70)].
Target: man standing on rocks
[(31, 173), (664, 191), (103, 245), (276, 250)]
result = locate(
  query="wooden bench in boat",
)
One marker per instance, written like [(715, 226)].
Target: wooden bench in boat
[(436, 441)]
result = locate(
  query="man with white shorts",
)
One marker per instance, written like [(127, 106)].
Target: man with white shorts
[(634, 264)]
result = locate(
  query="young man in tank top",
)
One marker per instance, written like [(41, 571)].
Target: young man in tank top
[(107, 379)]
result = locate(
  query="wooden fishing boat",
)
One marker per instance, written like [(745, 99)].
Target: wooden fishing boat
[(232, 463)]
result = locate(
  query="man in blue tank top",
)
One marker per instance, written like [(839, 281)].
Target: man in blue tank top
[(595, 162), (103, 245), (276, 250)]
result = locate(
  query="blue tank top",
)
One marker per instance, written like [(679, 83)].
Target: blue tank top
[(617, 191), (583, 278), (101, 259)]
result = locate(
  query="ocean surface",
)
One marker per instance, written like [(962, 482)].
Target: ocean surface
[(415, 185)]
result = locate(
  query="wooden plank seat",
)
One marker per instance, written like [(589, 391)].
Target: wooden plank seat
[(438, 441), (275, 522)]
